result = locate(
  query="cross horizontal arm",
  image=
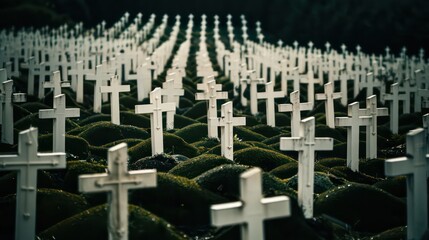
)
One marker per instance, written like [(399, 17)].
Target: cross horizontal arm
[(291, 143), (276, 207), (226, 214), (90, 183), (397, 166), (47, 113), (148, 108)]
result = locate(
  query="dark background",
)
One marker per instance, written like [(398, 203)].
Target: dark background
[(373, 24)]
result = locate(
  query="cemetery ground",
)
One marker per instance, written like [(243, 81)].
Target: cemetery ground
[(192, 175)]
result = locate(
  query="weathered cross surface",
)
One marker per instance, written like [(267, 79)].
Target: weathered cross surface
[(270, 95), (211, 92), (352, 123), (155, 109), (253, 81), (99, 77), (306, 144), (56, 83), (114, 89), (415, 166), (329, 96), (59, 114), (295, 107), (27, 162), (227, 122), (253, 208), (372, 111), (394, 97), (117, 182), (7, 98), (171, 94), (78, 74)]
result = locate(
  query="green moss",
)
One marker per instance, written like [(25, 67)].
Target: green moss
[(92, 224), (275, 139), (322, 182), (76, 168), (247, 135), (128, 102), (198, 110), (172, 145), (236, 147), (131, 142), (396, 186), (127, 118), (263, 158), (198, 165), (76, 147), (34, 107), (160, 162), (96, 135), (206, 144), (372, 167), (182, 121), (266, 130), (325, 131), (395, 233), (363, 207), (178, 200), (282, 120), (348, 174), (333, 162), (193, 133), (260, 145), (52, 205)]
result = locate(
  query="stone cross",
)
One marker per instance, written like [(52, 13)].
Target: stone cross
[(32, 69), (155, 109), (306, 144), (43, 72), (253, 81), (171, 94), (352, 123), (212, 94), (310, 81), (372, 111), (114, 89), (295, 107), (3, 78), (329, 96), (251, 211), (394, 97), (99, 77), (415, 166), (59, 114), (227, 123), (143, 77), (78, 75), (270, 95), (117, 182), (27, 162), (7, 98), (56, 83)]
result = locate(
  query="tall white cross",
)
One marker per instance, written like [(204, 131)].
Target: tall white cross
[(251, 211), (310, 81), (27, 162), (394, 97), (227, 122), (143, 77), (32, 69), (415, 166), (306, 144), (99, 77), (295, 107), (114, 89), (253, 81), (270, 95), (171, 94), (3, 78), (155, 109), (329, 96), (425, 120), (352, 123), (212, 94), (56, 83), (372, 111), (78, 75), (59, 114), (117, 182), (7, 98), (43, 72)]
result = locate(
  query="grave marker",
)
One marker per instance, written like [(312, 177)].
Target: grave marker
[(99, 77), (329, 96), (78, 74), (295, 107), (114, 89), (117, 182), (7, 98), (171, 94), (394, 97), (270, 95), (56, 83)]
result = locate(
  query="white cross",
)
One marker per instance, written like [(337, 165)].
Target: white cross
[(329, 96), (270, 95), (369, 84), (353, 122), (310, 81), (372, 111), (3, 78), (171, 94), (143, 77), (27, 162), (32, 68), (253, 81), (251, 211), (56, 83), (227, 123), (295, 108), (155, 109), (394, 97), (78, 74), (99, 77), (306, 144), (415, 166), (425, 120), (59, 114), (212, 94), (117, 182), (7, 98), (43, 73), (114, 89)]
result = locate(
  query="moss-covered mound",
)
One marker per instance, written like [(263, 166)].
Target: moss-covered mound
[(198, 165), (396, 186), (372, 167), (182, 121), (92, 224), (34, 107), (172, 145), (106, 132), (178, 200), (127, 118), (8, 182), (259, 157), (131, 142), (395, 233), (160, 162), (332, 162), (247, 135), (198, 110), (363, 207), (322, 183), (348, 174), (275, 139), (237, 146), (193, 133), (206, 143), (325, 131), (76, 147), (266, 130), (52, 206), (44, 125), (76, 168)]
